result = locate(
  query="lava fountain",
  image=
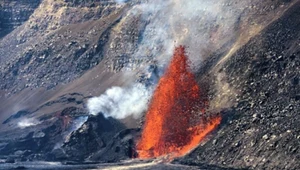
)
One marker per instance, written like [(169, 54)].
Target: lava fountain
[(176, 121)]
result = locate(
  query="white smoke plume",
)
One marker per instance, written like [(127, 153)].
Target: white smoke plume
[(203, 26), (120, 1), (27, 122), (170, 23), (120, 102)]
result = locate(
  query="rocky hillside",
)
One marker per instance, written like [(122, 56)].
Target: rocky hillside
[(14, 13), (57, 54), (261, 130), (50, 66), (54, 46)]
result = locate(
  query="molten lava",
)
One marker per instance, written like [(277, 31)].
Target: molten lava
[(175, 122)]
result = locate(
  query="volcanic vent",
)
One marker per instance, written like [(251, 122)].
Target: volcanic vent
[(176, 120)]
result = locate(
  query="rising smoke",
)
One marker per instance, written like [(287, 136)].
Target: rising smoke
[(120, 102), (203, 26), (120, 1), (27, 122)]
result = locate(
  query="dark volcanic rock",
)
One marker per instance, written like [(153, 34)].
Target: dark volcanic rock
[(262, 130), (121, 147), (65, 40), (99, 139), (34, 145), (14, 13)]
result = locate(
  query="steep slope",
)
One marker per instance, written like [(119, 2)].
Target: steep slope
[(14, 13), (40, 60), (38, 53), (261, 130), (61, 42)]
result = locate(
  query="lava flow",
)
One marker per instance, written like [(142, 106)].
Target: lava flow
[(175, 122)]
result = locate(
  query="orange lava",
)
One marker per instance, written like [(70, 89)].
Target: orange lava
[(175, 122)]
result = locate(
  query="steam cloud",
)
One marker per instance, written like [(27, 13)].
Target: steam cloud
[(120, 102), (120, 1), (203, 26), (27, 122)]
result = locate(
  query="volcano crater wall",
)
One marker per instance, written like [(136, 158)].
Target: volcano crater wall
[(14, 13)]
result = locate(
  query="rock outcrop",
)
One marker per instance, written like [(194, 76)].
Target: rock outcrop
[(14, 13)]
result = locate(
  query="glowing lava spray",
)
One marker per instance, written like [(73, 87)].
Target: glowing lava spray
[(175, 122)]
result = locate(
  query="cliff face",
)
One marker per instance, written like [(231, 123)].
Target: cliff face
[(14, 13), (59, 42)]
